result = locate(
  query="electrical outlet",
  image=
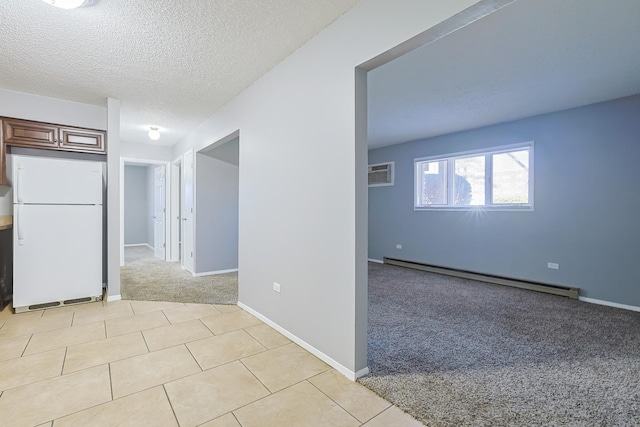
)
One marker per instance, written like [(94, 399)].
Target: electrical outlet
[(276, 287), (553, 265), (398, 246)]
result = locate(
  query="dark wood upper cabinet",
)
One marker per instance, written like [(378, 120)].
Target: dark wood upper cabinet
[(25, 133), (83, 140), (30, 134)]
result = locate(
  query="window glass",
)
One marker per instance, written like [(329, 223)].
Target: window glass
[(500, 177), (468, 182), (434, 183), (511, 177)]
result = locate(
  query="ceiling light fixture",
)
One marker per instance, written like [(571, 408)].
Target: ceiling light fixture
[(154, 133), (66, 4)]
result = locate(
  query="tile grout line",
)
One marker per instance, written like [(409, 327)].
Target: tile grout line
[(263, 344), (338, 403), (270, 394), (194, 357), (170, 404), (110, 382), (26, 346), (165, 316), (258, 379), (237, 420), (145, 342), (64, 360), (205, 325)]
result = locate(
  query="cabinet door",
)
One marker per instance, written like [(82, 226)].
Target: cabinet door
[(30, 134), (83, 140)]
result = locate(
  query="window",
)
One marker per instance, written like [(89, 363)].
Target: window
[(500, 177)]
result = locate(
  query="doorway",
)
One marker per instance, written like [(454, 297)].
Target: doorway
[(144, 201)]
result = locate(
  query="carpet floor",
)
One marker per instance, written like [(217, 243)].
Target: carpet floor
[(456, 352), (146, 278)]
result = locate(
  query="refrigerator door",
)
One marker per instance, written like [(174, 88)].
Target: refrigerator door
[(56, 181), (57, 253)]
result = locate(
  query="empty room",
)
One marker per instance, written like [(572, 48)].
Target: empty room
[(502, 162), (500, 141)]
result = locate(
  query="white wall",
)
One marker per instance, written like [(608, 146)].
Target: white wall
[(136, 204), (216, 215), (50, 110), (134, 150), (114, 230), (26, 106), (298, 210)]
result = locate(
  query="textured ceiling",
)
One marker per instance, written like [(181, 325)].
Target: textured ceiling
[(531, 57), (171, 63)]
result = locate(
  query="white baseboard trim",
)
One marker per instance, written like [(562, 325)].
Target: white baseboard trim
[(610, 304), (311, 349), (213, 273), (111, 298), (377, 261), (361, 373), (139, 244)]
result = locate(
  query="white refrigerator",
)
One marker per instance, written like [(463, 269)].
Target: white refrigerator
[(57, 242)]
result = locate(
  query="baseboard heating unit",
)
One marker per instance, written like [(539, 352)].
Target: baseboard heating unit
[(564, 291)]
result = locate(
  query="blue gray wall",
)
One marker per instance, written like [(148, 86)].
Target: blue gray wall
[(136, 217), (587, 205)]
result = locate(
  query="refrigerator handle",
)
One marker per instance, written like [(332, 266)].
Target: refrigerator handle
[(17, 184), (18, 220)]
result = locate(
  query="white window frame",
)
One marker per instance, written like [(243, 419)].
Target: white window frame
[(487, 152)]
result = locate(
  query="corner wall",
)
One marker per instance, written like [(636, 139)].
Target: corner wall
[(298, 206), (216, 215), (586, 205)]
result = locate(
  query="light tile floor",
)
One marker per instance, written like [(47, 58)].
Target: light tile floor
[(145, 363)]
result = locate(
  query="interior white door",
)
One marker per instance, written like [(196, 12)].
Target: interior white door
[(159, 212), (187, 212)]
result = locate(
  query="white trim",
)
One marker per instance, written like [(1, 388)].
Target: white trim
[(311, 349), (213, 273), (175, 217), (377, 261), (608, 303), (111, 298), (139, 244), (361, 373), (450, 159), (496, 149)]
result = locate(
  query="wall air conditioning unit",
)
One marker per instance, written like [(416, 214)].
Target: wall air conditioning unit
[(381, 174)]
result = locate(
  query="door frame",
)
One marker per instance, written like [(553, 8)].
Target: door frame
[(160, 174), (167, 200), (175, 184), (183, 194)]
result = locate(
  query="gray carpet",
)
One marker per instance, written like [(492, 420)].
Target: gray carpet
[(455, 352), (146, 278)]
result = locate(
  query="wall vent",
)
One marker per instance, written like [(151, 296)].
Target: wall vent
[(381, 174)]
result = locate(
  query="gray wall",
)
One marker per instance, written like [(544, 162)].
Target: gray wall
[(217, 193), (136, 218), (587, 173)]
